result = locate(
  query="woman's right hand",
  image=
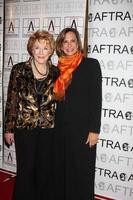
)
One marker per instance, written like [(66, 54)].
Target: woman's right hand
[(9, 138)]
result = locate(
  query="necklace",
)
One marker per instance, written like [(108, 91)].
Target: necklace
[(46, 73)]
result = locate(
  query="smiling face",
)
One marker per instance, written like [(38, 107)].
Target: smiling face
[(41, 51), (70, 44)]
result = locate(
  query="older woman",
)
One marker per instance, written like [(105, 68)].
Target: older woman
[(29, 118)]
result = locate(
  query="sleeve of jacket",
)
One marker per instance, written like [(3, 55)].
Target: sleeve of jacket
[(95, 96), (11, 102)]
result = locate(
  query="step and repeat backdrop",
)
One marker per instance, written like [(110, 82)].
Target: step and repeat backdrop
[(110, 36), (111, 42), (22, 18), (1, 68)]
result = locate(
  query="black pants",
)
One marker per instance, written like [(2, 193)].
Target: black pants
[(75, 163), (34, 154)]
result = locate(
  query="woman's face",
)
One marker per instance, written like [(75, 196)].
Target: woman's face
[(70, 44), (41, 51)]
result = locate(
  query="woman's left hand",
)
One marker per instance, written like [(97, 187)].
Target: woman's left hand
[(92, 139)]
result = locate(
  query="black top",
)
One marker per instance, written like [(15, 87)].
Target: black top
[(83, 99)]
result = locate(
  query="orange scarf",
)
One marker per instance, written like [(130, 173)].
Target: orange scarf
[(67, 65)]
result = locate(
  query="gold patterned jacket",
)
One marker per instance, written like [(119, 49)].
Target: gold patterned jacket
[(22, 109)]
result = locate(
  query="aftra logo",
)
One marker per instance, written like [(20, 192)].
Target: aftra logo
[(107, 173), (110, 49), (117, 114), (116, 64), (112, 16), (115, 145), (110, 32), (117, 97), (120, 129), (118, 82)]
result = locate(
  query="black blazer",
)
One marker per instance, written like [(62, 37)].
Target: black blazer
[(83, 99)]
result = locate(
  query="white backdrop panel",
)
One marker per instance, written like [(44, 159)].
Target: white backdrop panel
[(110, 35), (24, 17)]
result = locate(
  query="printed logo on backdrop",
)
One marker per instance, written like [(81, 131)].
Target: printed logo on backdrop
[(110, 49), (115, 159), (118, 184), (115, 145), (110, 16), (119, 129), (52, 24), (117, 114), (9, 158), (12, 28), (111, 32), (111, 174), (10, 60), (114, 189), (75, 22), (110, 65), (115, 176), (117, 97), (118, 82), (30, 25)]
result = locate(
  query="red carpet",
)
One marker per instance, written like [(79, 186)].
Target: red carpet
[(7, 183), (99, 197)]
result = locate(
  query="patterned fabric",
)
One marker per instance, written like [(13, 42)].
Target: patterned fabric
[(22, 108), (67, 65)]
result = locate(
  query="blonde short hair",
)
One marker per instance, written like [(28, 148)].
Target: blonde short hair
[(41, 35)]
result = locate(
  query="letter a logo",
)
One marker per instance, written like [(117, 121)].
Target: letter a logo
[(10, 62), (9, 158), (11, 28), (31, 27), (73, 25), (51, 26)]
